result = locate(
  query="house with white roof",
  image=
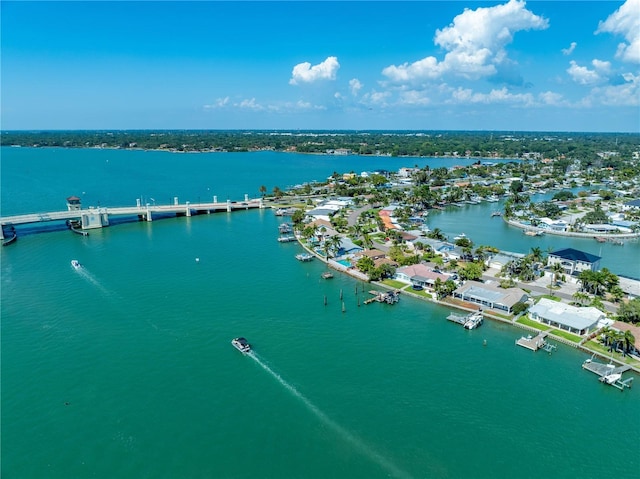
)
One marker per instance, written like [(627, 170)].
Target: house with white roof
[(576, 320), (491, 296)]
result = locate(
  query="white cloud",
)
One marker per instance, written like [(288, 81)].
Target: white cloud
[(502, 95), (219, 103), (585, 76), (551, 98), (626, 22), (625, 94), (305, 73), (250, 104), (569, 51), (355, 86), (475, 43), (414, 98)]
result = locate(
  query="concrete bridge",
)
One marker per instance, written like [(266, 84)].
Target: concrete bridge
[(92, 218)]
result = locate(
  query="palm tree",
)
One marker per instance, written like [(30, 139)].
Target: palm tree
[(557, 270), (629, 339), (536, 254), (335, 242), (580, 297), (263, 190), (436, 233)]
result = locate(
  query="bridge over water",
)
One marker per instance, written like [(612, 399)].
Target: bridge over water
[(92, 218)]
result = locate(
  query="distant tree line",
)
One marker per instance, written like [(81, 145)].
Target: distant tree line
[(588, 147)]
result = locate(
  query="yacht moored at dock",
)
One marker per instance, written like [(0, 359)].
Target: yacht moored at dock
[(241, 344), (304, 257), (473, 320), (610, 374), (468, 321)]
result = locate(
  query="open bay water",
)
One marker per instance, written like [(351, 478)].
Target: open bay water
[(125, 368)]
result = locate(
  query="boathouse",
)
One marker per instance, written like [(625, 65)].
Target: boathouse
[(491, 296), (576, 320), (574, 261)]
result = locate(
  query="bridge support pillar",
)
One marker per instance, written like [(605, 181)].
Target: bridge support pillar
[(149, 217), (261, 203), (228, 206), (1, 232), (215, 198), (94, 219), (188, 212)]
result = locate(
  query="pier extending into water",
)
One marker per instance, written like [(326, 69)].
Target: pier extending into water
[(608, 373), (92, 218), (535, 343)]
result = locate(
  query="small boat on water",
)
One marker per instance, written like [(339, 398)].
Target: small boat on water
[(496, 213), (600, 239), (460, 236), (304, 257), (76, 264), (241, 344), (327, 275), (473, 321)]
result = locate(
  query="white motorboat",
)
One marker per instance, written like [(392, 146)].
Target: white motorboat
[(473, 321), (241, 345), (76, 264)]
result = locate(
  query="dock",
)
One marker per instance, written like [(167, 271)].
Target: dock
[(469, 321), (535, 343), (457, 318), (389, 297), (286, 239), (608, 373)]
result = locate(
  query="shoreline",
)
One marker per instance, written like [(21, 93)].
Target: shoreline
[(570, 234), (512, 322)]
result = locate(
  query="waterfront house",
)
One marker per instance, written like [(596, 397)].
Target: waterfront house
[(576, 320), (348, 247), (502, 258), (490, 296), (574, 261), (419, 275)]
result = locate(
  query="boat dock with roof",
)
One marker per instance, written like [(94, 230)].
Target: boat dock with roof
[(609, 373), (535, 343)]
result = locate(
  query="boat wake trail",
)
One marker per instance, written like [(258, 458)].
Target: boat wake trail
[(91, 279), (355, 441)]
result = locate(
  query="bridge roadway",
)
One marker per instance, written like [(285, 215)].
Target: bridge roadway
[(146, 211)]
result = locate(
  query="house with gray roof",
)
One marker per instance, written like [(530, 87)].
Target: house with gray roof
[(490, 296), (348, 247), (576, 320), (574, 261)]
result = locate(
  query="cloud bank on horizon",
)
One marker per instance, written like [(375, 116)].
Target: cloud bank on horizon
[(509, 65)]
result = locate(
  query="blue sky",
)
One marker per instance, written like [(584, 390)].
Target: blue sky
[(421, 65)]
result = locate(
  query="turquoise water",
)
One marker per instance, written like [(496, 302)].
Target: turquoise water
[(125, 369)]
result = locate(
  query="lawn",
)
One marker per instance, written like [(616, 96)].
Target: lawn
[(394, 284), (566, 335), (534, 324)]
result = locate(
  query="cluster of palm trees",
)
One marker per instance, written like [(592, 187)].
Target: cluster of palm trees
[(619, 341), (598, 283)]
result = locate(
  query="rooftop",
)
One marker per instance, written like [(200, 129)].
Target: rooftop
[(575, 255)]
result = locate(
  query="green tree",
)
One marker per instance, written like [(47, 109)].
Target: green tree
[(629, 312)]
